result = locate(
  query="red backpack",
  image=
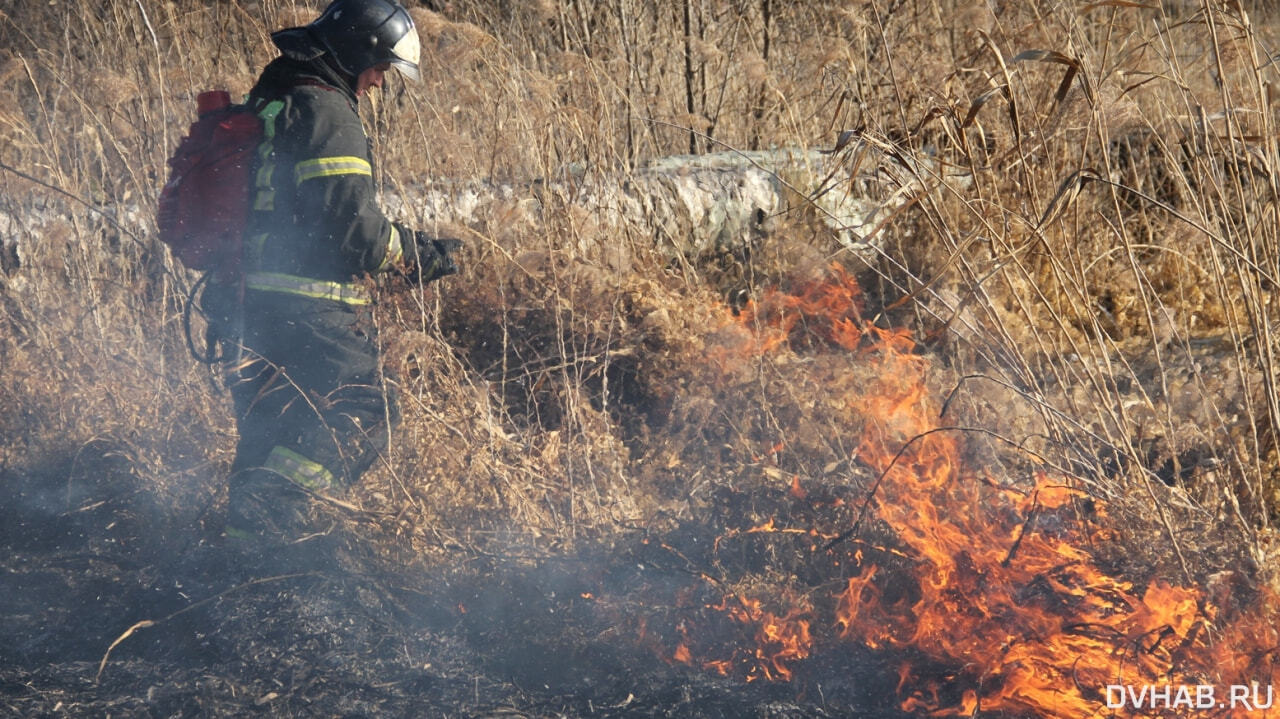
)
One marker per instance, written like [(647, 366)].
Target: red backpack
[(204, 206)]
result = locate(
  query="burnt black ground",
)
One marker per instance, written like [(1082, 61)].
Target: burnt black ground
[(83, 569)]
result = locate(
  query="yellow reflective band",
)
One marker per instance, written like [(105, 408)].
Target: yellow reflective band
[(299, 469), (239, 534), (330, 167), (265, 199), (395, 250), (253, 249), (305, 287), (268, 113)]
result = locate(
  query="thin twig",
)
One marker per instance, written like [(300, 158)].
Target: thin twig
[(145, 623), (875, 486)]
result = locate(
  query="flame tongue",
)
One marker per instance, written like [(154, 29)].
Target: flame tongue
[(1045, 628), (780, 640)]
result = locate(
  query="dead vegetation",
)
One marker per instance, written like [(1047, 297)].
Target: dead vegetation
[(1094, 303)]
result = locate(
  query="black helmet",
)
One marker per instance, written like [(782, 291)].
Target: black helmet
[(359, 34)]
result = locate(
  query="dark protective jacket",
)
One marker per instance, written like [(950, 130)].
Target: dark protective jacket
[(315, 223)]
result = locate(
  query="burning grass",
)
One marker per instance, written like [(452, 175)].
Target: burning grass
[(985, 589)]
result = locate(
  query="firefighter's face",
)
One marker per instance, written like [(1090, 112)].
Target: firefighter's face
[(373, 77)]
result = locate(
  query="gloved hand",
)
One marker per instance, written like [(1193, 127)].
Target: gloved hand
[(430, 257)]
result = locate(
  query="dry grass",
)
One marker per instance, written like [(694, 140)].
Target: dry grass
[(1100, 294)]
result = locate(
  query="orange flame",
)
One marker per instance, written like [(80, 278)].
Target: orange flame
[(682, 654), (780, 640), (796, 490), (831, 311), (1038, 627)]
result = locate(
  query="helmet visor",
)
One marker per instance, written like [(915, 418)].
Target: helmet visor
[(405, 54)]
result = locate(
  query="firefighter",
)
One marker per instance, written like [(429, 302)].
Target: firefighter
[(303, 359)]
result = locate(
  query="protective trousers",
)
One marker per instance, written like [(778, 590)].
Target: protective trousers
[(311, 412)]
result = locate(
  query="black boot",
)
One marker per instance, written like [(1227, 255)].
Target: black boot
[(269, 528)]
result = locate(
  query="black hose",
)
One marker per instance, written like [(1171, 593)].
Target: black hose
[(210, 355)]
